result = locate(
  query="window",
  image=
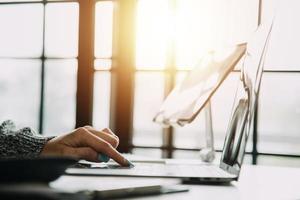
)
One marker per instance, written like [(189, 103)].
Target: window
[(278, 119), (120, 58), (169, 45), (103, 63), (166, 46), (38, 61)]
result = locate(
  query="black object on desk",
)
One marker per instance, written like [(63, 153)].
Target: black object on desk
[(41, 169)]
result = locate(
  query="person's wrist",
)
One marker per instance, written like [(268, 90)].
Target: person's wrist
[(47, 149)]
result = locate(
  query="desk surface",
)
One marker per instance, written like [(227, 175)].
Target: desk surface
[(256, 182)]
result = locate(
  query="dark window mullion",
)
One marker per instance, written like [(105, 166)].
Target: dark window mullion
[(122, 81), (85, 76), (168, 133), (170, 80), (43, 58)]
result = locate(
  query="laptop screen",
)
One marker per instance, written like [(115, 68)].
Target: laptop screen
[(241, 123), (188, 98)]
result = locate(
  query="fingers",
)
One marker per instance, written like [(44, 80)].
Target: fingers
[(85, 153), (106, 134), (100, 145), (108, 131)]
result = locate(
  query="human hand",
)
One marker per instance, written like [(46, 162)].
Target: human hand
[(86, 143)]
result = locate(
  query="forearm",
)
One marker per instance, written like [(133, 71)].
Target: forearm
[(20, 143)]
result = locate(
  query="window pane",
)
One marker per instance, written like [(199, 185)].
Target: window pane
[(149, 91), (104, 29), (279, 113), (62, 23), (278, 161), (102, 64), (64, 0), (60, 95), (20, 91), (4, 1), (152, 33), (191, 135), (283, 51), (101, 109), (206, 24), (21, 32)]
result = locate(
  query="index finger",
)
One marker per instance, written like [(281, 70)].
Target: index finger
[(101, 146)]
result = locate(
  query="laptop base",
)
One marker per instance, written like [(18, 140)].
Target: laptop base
[(194, 172)]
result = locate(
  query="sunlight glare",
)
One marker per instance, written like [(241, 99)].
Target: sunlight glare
[(201, 26), (152, 34), (197, 26)]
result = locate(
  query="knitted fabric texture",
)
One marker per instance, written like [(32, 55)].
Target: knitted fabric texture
[(22, 143)]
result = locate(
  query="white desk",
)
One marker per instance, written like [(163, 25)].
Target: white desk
[(256, 182)]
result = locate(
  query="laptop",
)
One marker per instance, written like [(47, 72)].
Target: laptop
[(187, 100)]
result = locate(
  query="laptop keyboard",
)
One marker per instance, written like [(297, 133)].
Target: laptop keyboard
[(149, 169), (185, 170)]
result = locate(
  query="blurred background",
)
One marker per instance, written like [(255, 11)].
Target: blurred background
[(111, 63)]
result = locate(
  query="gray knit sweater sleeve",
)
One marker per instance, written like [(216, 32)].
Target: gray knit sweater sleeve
[(20, 143)]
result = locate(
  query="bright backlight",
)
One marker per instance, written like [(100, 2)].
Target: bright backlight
[(152, 33), (181, 31)]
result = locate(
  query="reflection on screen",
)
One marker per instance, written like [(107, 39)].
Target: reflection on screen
[(236, 136), (244, 107), (188, 98)]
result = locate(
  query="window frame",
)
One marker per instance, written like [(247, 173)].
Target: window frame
[(43, 57), (122, 75)]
